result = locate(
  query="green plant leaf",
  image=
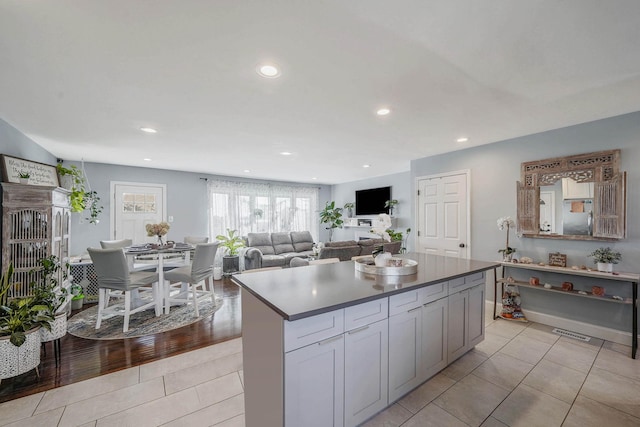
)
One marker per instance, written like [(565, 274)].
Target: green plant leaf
[(18, 338)]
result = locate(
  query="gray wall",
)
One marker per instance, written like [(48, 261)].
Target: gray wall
[(400, 190), (186, 201), (495, 168), (15, 143)]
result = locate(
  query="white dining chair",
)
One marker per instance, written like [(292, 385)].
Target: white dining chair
[(193, 282), (113, 274), (193, 240)]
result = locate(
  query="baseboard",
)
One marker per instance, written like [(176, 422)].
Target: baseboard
[(614, 335)]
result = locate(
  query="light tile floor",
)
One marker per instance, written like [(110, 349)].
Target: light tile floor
[(521, 375)]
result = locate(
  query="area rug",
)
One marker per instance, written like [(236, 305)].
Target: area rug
[(83, 324)]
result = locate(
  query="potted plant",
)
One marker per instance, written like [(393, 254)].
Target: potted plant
[(398, 236), (49, 293), (349, 207), (506, 222), (390, 204), (73, 180), (24, 177), (232, 242), (20, 320), (333, 216), (605, 258), (95, 209), (77, 298)]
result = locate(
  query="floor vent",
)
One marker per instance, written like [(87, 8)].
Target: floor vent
[(569, 334)]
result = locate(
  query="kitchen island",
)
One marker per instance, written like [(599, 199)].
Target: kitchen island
[(327, 345)]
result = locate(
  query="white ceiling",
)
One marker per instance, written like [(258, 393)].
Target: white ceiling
[(81, 77)]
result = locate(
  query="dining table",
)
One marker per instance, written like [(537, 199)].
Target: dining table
[(161, 252)]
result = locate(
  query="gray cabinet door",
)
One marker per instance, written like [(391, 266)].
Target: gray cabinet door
[(458, 321), (314, 384), (476, 315), (366, 372), (434, 337), (405, 350)]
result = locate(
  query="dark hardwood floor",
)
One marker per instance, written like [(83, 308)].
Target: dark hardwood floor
[(82, 359)]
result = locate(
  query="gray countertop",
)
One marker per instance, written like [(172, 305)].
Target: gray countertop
[(300, 292)]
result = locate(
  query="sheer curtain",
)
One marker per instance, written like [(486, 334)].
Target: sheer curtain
[(257, 207)]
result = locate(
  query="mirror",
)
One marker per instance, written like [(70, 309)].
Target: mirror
[(581, 197), (571, 203)]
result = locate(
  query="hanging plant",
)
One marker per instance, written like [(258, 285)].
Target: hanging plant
[(81, 197), (95, 209), (76, 186)]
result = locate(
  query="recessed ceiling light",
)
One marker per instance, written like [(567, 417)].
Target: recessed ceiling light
[(285, 153), (463, 139), (269, 71), (366, 166), (314, 178), (247, 171), (149, 130), (147, 160), (383, 111)]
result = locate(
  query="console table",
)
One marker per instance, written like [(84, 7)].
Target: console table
[(632, 278)]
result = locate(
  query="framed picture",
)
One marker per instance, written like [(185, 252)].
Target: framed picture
[(38, 173)]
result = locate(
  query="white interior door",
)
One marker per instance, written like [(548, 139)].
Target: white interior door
[(134, 206), (443, 215)]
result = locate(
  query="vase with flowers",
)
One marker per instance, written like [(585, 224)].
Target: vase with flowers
[(158, 230), (506, 222)]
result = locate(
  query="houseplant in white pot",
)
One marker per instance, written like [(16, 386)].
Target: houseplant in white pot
[(20, 321), (605, 258), (24, 177), (77, 298), (232, 242), (349, 207)]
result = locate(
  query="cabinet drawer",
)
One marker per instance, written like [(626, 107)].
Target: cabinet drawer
[(466, 282), (434, 292), (300, 333), (366, 313), (404, 302)]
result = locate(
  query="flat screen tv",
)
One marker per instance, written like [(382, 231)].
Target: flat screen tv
[(372, 200)]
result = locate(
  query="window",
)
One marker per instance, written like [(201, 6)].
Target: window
[(138, 202), (261, 208)]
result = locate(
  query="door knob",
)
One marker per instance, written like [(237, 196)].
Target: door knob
[(461, 245)]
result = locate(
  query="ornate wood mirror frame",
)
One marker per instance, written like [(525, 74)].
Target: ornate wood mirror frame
[(609, 196)]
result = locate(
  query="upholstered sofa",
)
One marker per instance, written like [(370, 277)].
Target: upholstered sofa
[(276, 249), (346, 249)]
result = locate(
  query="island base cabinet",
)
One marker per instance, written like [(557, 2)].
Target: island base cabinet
[(314, 384), (366, 372)]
